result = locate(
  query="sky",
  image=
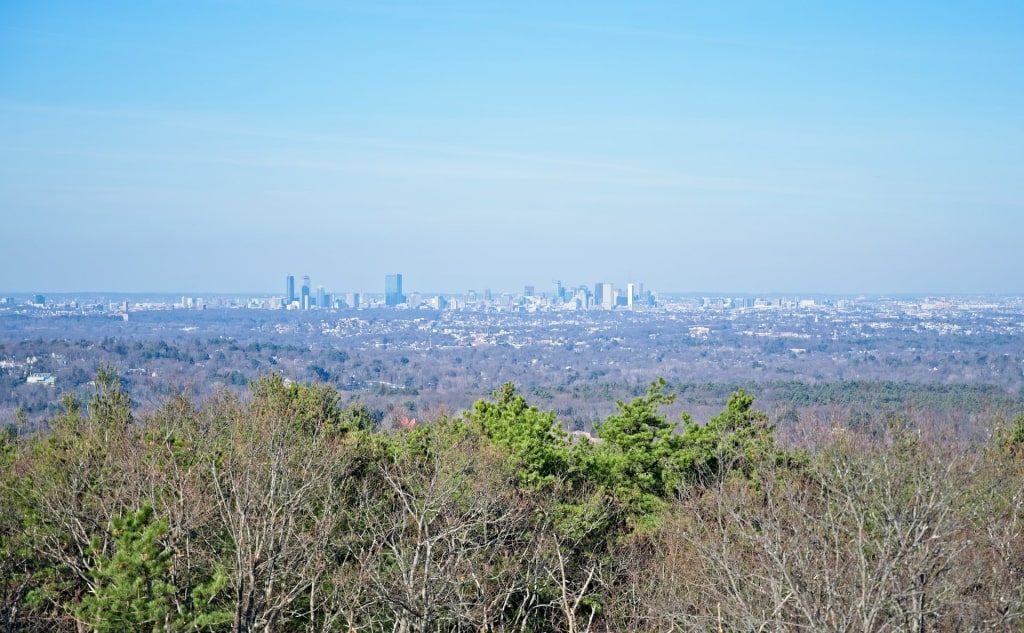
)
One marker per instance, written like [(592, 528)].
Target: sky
[(220, 145)]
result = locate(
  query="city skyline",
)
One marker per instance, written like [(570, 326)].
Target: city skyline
[(619, 285), (206, 146)]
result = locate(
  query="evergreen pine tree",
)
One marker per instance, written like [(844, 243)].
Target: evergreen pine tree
[(130, 589)]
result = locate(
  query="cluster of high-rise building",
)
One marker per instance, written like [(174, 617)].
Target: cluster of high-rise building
[(305, 299), (602, 296)]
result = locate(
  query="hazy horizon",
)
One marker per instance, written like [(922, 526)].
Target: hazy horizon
[(870, 149), (427, 292)]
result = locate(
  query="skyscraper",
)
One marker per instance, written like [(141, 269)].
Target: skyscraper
[(321, 298), (393, 290), (604, 296), (305, 292), (289, 293)]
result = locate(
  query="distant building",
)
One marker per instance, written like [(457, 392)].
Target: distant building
[(604, 296), (393, 290), (289, 292), (41, 379), (306, 299), (352, 300), (583, 298), (528, 291), (630, 291), (321, 298)]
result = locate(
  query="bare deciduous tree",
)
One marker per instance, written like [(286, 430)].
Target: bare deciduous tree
[(867, 538), (276, 488)]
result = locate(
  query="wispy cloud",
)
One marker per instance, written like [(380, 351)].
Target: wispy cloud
[(300, 150)]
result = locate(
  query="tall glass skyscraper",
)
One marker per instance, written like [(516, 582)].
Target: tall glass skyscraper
[(393, 290), (289, 293)]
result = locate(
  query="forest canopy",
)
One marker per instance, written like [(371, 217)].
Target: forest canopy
[(288, 510)]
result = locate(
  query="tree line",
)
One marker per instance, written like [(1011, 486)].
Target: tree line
[(283, 509)]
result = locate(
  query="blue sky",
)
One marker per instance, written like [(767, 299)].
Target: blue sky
[(216, 146)]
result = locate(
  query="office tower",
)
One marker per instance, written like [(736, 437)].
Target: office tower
[(630, 289), (528, 291), (559, 292), (393, 290), (584, 298), (305, 292), (604, 296), (289, 292), (321, 298), (607, 300), (352, 300)]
